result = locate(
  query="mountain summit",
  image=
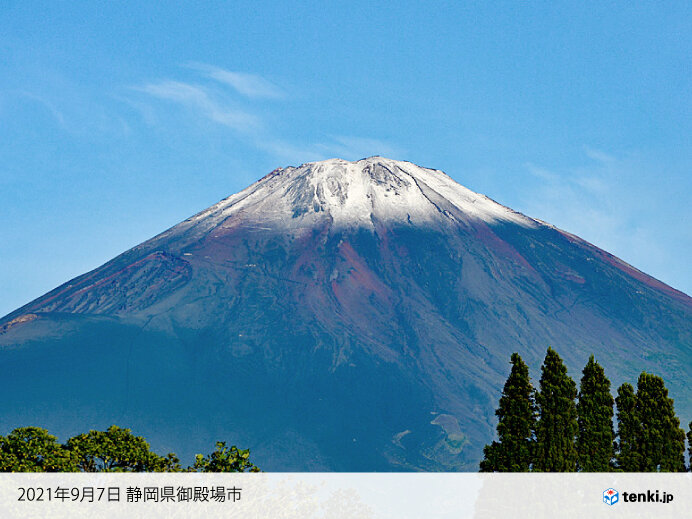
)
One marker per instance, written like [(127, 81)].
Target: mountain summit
[(334, 316), (357, 194)]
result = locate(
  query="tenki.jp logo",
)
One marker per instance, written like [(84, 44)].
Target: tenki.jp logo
[(612, 496)]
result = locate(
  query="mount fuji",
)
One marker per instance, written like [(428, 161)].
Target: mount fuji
[(337, 316)]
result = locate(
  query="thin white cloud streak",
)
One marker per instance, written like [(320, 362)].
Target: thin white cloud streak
[(598, 203), (249, 85), (198, 98), (57, 114), (579, 198), (599, 156), (75, 110), (209, 103), (201, 101)]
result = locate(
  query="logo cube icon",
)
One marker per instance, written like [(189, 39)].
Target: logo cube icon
[(611, 496)]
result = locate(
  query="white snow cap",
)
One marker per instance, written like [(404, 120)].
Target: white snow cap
[(355, 194)]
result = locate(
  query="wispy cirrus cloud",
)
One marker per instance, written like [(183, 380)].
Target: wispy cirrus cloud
[(580, 197), (248, 85), (199, 98), (225, 100), (50, 107), (599, 201), (599, 155)]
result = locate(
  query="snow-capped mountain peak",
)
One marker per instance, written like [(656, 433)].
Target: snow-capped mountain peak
[(356, 194)]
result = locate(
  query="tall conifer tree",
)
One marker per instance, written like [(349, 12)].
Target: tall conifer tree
[(628, 457), (689, 445), (491, 461), (595, 419), (557, 428), (517, 421), (662, 441)]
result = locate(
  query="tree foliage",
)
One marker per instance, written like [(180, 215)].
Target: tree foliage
[(225, 459), (118, 450), (516, 425), (595, 434), (661, 440), (628, 457), (568, 436), (492, 461), (689, 445), (557, 427), (32, 449)]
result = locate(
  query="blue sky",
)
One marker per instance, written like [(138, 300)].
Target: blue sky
[(119, 120)]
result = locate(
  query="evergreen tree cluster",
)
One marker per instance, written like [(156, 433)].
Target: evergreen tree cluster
[(559, 429)]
